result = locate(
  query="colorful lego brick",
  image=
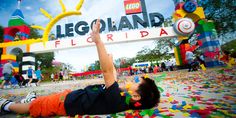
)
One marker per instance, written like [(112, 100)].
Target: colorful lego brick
[(189, 6), (204, 35), (204, 26), (15, 64), (212, 63), (179, 5), (10, 32), (179, 14), (6, 57), (16, 69), (177, 56), (195, 16), (8, 38), (16, 22), (210, 43), (180, 38)]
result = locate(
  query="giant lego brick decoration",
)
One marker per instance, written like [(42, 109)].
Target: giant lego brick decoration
[(204, 26), (205, 29), (189, 6), (17, 19), (5, 58), (10, 33), (198, 14), (17, 30)]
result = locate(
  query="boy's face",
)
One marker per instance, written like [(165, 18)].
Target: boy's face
[(132, 88)]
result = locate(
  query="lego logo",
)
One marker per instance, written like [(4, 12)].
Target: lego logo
[(132, 6)]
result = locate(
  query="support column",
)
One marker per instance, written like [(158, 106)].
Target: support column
[(28, 60)]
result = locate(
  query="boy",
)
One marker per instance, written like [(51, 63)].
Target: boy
[(96, 99), (39, 75), (30, 73), (7, 71)]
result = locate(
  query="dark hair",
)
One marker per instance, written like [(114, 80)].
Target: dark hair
[(150, 95)]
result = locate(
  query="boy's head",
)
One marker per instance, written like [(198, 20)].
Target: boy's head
[(145, 93)]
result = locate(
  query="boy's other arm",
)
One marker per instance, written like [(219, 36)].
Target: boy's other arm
[(105, 61), (114, 69)]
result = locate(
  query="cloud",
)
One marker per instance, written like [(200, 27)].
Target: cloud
[(39, 19), (28, 7)]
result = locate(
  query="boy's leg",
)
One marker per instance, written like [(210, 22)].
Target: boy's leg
[(6, 78), (7, 105), (39, 80), (30, 80), (2, 85), (21, 108)]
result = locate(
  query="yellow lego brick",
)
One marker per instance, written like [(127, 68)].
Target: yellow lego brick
[(195, 16), (176, 56), (180, 38), (16, 69), (179, 14), (8, 56)]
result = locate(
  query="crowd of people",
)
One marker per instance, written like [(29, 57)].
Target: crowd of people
[(13, 78), (163, 66), (56, 77), (195, 62)]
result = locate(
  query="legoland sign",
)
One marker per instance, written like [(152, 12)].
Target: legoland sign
[(109, 38), (83, 27), (126, 22), (132, 6), (77, 33)]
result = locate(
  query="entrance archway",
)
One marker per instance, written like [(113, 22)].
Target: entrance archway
[(18, 52)]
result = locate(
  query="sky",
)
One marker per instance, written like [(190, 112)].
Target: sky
[(91, 9)]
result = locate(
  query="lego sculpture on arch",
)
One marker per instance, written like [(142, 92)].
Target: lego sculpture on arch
[(189, 9), (17, 30)]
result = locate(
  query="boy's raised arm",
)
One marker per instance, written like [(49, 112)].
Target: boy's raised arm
[(106, 63)]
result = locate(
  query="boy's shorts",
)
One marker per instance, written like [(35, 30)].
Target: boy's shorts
[(49, 105), (7, 76), (39, 78), (30, 76)]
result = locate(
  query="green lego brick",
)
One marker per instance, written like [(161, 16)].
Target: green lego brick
[(16, 22), (179, 55), (204, 26)]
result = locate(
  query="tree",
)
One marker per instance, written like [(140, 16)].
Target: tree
[(94, 66), (230, 46), (45, 59), (222, 12), (97, 65), (124, 62), (143, 54), (34, 33), (1, 34)]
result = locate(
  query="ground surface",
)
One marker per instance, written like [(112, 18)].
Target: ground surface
[(196, 94)]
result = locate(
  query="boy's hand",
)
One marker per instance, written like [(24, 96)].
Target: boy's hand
[(95, 31)]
